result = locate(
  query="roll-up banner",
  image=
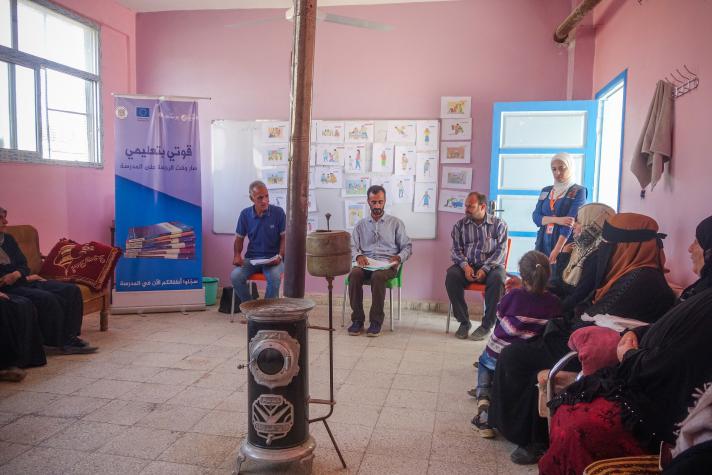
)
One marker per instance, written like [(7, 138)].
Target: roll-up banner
[(158, 206)]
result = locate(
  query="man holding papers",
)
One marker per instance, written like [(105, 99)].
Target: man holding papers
[(264, 225), (479, 248), (379, 245)]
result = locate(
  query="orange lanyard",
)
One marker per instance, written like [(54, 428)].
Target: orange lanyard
[(552, 200)]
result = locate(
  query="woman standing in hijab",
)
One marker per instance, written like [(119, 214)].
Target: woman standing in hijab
[(629, 283), (557, 207)]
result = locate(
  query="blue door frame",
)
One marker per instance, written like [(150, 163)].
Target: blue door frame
[(588, 151)]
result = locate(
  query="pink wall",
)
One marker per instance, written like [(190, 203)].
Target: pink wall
[(77, 202), (450, 48), (651, 40)]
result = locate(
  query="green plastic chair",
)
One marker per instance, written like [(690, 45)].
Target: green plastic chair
[(394, 283)]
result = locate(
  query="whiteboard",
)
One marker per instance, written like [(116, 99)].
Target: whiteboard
[(234, 167)]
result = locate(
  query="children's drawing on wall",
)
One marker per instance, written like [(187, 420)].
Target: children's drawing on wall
[(402, 189), (271, 155), (405, 158), (329, 177), (355, 159), (457, 177), (401, 131), (426, 167), (455, 107), (278, 198), (359, 131), (425, 194), (312, 202), (452, 201), (330, 155), (356, 185), (457, 129), (354, 211), (275, 177), (329, 131), (455, 152), (271, 131), (428, 133), (382, 158), (312, 223)]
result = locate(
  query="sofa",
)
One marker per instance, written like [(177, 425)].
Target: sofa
[(28, 239)]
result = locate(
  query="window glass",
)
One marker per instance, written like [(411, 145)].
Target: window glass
[(4, 106), (25, 106), (5, 24), (52, 36)]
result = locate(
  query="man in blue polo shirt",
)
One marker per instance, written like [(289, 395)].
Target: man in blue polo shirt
[(264, 225)]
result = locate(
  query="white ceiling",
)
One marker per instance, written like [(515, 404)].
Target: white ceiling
[(172, 5)]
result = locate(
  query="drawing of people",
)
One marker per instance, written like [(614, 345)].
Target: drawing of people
[(404, 162), (383, 159), (325, 156), (457, 129), (426, 135), (335, 156), (357, 160), (401, 189), (425, 200), (426, 168)]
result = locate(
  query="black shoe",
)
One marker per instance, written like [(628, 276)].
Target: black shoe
[(464, 329), (355, 329), (76, 346), (485, 430), (374, 329), (527, 455), (479, 334)]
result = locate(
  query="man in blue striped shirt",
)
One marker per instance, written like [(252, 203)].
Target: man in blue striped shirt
[(479, 248)]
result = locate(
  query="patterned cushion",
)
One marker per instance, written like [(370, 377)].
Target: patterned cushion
[(91, 264), (638, 465)]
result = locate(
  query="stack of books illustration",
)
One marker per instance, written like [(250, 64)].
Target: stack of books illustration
[(166, 240)]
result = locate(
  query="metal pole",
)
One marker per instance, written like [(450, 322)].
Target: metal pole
[(300, 116)]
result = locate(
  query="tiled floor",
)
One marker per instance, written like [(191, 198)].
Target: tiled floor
[(164, 396)]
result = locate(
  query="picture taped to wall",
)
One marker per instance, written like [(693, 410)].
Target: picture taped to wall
[(405, 158), (455, 107), (272, 155), (330, 131), (275, 177), (402, 189), (278, 198), (359, 131), (402, 132), (354, 212), (457, 177), (328, 177), (329, 155), (428, 132), (312, 202), (456, 129), (355, 185), (454, 152), (312, 223), (274, 131), (425, 195), (355, 158), (452, 201), (382, 158), (426, 167)]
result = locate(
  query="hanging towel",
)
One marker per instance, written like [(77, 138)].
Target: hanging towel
[(654, 147)]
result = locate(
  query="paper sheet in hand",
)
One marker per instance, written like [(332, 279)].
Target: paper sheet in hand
[(267, 260), (375, 264)]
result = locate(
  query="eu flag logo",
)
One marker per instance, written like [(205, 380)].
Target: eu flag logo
[(143, 112)]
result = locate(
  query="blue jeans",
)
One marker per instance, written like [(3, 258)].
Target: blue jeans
[(239, 276), (485, 374)]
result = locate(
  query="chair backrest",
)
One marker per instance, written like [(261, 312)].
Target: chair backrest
[(29, 242), (506, 256)]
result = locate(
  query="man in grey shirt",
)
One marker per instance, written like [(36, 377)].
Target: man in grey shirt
[(382, 237)]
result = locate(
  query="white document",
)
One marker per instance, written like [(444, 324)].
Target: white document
[(267, 260), (375, 264)]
